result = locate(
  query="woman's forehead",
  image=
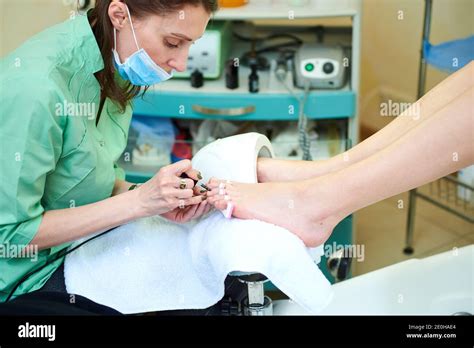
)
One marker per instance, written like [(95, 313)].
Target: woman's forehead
[(190, 24)]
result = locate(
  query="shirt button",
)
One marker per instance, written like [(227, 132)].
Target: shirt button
[(101, 143)]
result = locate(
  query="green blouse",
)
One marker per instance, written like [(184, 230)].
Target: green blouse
[(52, 154)]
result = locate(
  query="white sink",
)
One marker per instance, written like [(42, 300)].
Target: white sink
[(442, 284)]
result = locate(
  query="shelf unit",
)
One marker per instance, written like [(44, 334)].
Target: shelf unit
[(176, 99), (449, 187), (281, 9)]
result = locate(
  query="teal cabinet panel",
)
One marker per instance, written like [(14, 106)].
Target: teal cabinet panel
[(341, 237), (241, 107)]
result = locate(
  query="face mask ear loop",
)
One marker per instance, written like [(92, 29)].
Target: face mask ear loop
[(131, 24), (115, 39)]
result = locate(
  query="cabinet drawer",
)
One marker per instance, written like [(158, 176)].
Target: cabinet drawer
[(264, 106)]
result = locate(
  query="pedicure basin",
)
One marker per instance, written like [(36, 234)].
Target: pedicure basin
[(441, 284)]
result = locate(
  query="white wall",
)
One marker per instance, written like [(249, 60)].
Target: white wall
[(20, 19), (391, 48)]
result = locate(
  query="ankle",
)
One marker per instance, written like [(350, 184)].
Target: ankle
[(262, 169), (325, 200)]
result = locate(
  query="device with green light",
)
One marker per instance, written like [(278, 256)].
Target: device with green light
[(320, 65), (209, 53)]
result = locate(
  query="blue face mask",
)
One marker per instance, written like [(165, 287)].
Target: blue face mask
[(139, 68)]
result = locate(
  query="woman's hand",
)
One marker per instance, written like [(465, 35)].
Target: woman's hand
[(162, 193), (188, 213)]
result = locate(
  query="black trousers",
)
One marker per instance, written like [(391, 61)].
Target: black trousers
[(55, 283), (53, 299)]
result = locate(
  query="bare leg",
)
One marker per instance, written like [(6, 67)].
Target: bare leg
[(311, 208), (270, 170)]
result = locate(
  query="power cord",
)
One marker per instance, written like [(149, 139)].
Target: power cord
[(303, 137), (268, 37), (247, 57)]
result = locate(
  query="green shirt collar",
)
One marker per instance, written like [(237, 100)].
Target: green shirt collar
[(90, 49)]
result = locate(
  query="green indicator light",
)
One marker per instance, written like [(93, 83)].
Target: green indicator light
[(309, 67)]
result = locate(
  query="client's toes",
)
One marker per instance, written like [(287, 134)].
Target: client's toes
[(214, 183), (221, 205), (220, 199), (218, 187)]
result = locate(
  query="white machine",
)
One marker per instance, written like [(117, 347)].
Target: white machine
[(319, 65), (209, 53)]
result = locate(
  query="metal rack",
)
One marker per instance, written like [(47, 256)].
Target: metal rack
[(444, 192), (447, 193)]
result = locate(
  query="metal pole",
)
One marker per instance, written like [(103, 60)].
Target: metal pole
[(421, 89), (410, 223), (425, 36)]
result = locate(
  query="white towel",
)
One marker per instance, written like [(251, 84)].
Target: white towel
[(153, 264)]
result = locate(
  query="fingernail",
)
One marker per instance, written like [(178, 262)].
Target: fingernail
[(199, 176), (204, 198)]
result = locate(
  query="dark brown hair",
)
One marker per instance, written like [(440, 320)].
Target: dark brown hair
[(103, 31)]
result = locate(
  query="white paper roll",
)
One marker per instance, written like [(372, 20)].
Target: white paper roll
[(233, 158)]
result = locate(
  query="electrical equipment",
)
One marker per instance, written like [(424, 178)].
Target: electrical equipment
[(209, 53), (320, 66)]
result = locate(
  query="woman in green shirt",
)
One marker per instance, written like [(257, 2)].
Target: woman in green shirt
[(65, 113)]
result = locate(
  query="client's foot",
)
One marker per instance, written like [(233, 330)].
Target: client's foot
[(290, 205)]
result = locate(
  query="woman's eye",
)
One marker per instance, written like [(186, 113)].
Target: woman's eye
[(170, 45)]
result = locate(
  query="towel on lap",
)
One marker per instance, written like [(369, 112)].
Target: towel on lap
[(154, 264)]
